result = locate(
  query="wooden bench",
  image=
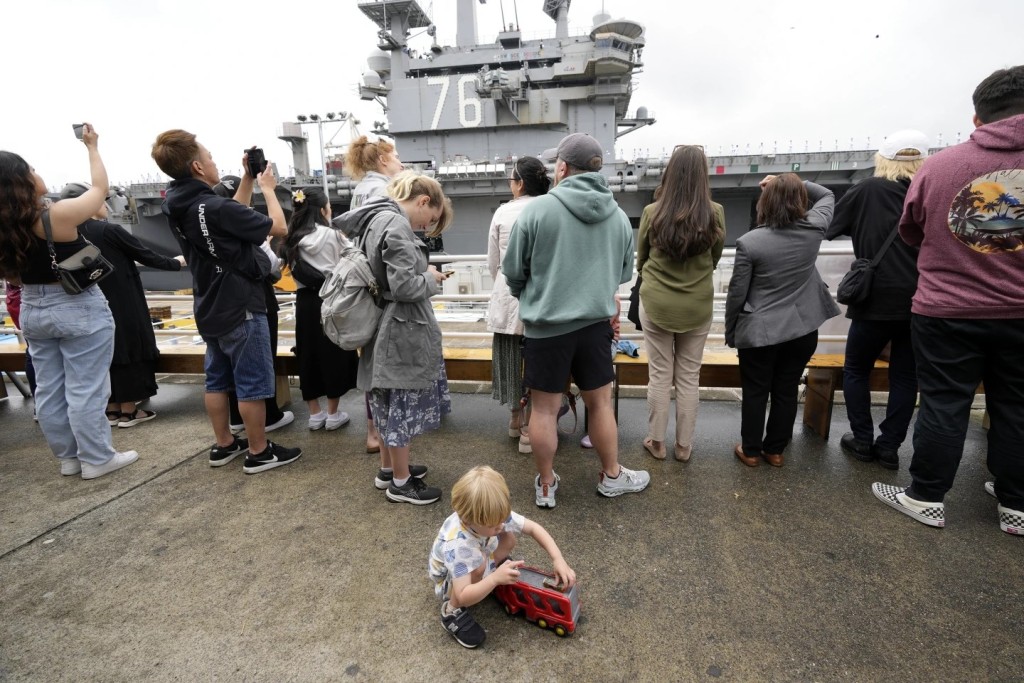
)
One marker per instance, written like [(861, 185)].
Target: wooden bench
[(174, 360), (824, 373), (824, 377)]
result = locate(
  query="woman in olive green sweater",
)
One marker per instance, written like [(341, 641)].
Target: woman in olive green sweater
[(680, 242)]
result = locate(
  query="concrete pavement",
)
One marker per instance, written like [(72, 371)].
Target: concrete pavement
[(171, 570)]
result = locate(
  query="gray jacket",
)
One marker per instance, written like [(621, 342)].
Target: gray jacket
[(406, 353), (776, 293)]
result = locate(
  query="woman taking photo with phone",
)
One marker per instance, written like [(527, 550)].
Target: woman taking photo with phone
[(776, 303), (71, 336), (678, 247)]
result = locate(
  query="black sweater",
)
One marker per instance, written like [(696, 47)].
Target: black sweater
[(868, 213)]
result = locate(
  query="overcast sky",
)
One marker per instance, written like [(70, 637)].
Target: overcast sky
[(725, 73)]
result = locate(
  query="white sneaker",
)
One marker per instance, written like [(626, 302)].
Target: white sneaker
[(69, 466), (317, 421), (990, 488), (545, 492), (286, 419), (628, 481), (336, 420), (236, 429), (932, 514), (1011, 521), (117, 462)]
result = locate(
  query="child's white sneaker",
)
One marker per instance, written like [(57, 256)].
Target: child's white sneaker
[(336, 420)]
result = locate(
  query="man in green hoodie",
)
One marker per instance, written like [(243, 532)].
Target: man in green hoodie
[(567, 255)]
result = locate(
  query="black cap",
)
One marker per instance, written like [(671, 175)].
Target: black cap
[(228, 186)]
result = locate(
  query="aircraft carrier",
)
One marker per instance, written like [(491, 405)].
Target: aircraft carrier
[(464, 113)]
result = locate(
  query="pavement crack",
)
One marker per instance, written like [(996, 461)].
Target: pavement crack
[(102, 504)]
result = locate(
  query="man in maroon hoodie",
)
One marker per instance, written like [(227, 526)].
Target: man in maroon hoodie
[(965, 210)]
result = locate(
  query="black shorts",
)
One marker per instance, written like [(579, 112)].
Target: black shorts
[(585, 354)]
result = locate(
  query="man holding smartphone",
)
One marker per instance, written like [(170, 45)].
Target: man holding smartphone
[(220, 239)]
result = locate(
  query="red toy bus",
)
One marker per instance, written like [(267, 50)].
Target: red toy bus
[(541, 600)]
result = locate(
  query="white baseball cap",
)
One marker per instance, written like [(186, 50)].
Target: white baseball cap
[(904, 140)]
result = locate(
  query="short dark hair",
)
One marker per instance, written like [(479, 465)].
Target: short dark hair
[(174, 151), (783, 201), (1001, 95)]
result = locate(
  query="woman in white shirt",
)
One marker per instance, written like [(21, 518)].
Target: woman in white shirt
[(312, 248), (528, 179)]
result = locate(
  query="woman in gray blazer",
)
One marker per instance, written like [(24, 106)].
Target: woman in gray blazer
[(776, 303)]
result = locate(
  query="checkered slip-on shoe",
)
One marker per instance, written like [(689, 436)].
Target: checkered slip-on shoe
[(932, 514), (1011, 521)]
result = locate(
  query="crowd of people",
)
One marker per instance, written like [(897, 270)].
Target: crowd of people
[(943, 238)]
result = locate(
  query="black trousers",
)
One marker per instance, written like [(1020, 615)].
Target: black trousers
[(772, 372), (864, 343), (953, 357), (325, 369)]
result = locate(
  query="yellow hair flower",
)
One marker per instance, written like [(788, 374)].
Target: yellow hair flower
[(298, 197)]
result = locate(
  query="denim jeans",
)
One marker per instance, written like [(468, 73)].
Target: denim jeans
[(241, 359), (71, 339), (864, 343), (953, 357)]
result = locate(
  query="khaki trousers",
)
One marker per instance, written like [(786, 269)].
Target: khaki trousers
[(674, 359)]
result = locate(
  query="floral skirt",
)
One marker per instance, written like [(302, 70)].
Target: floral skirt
[(401, 414)]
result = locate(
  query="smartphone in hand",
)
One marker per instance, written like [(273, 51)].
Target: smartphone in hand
[(79, 129), (256, 162)]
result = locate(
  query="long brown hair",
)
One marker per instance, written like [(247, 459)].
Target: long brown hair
[(19, 211), (783, 201), (683, 222)]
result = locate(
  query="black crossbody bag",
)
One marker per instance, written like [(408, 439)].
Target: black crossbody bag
[(81, 270), (855, 286)]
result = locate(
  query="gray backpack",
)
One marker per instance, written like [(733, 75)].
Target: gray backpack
[(353, 300)]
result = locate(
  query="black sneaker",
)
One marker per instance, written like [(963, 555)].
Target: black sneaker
[(222, 455), (383, 479), (414, 491), (463, 627), (271, 457), (889, 458), (857, 448)]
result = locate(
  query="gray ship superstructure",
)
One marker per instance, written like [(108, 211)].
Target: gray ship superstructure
[(464, 113)]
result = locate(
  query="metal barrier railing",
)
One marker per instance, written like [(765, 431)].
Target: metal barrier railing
[(287, 301)]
